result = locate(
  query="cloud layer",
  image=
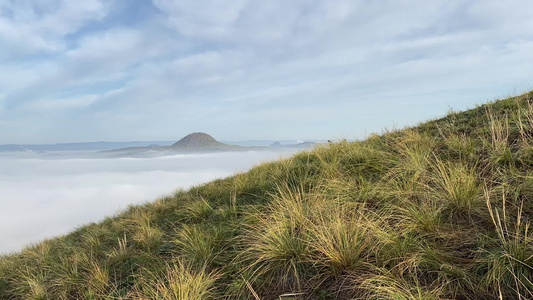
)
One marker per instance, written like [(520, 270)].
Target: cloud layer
[(42, 198), (118, 70)]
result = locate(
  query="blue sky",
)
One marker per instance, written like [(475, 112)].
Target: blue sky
[(122, 70)]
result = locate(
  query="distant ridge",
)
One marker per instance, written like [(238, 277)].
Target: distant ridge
[(197, 140)]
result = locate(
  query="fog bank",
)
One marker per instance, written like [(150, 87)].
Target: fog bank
[(42, 197)]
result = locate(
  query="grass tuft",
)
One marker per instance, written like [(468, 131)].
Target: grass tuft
[(179, 282)]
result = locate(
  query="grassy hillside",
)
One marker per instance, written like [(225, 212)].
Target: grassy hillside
[(439, 211)]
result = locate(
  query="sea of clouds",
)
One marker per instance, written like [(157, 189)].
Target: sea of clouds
[(43, 195)]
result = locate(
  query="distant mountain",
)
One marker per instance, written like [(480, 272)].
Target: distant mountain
[(84, 146), (195, 142), (270, 143), (302, 145), (198, 140)]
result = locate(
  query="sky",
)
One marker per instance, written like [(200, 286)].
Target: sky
[(122, 70)]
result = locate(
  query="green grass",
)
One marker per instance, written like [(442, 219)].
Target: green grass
[(438, 211)]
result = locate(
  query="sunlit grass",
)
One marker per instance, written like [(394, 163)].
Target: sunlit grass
[(178, 282), (276, 245), (509, 262), (388, 286), (456, 185), (199, 245), (341, 240)]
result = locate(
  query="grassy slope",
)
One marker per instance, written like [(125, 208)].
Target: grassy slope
[(438, 211)]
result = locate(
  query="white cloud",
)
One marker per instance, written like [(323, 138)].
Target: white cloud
[(114, 43), (203, 17), (33, 27), (44, 104)]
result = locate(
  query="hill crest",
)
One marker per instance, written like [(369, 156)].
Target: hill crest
[(197, 140)]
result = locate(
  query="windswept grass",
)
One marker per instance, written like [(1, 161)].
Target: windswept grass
[(438, 211), (509, 262), (177, 282), (455, 184)]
